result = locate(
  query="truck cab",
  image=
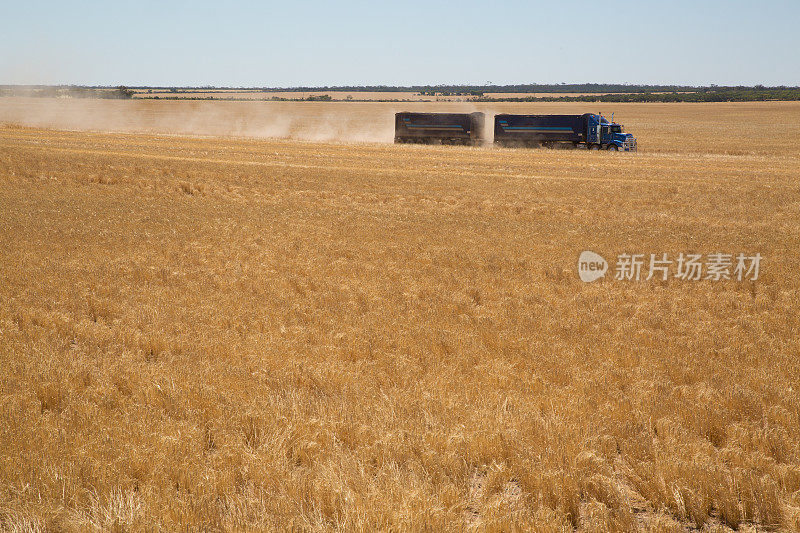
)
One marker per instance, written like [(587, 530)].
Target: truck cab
[(608, 135), (614, 137)]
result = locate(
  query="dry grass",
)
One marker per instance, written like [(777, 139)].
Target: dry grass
[(243, 334)]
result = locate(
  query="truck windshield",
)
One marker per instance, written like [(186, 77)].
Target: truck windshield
[(616, 128)]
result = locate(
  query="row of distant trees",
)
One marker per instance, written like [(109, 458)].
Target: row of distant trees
[(450, 93), (721, 95), (536, 92), (602, 92), (524, 88)]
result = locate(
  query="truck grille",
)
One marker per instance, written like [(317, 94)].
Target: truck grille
[(629, 145)]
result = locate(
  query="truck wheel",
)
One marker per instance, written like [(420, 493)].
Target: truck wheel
[(594, 147), (613, 148)]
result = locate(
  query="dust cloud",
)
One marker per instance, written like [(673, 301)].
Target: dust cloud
[(314, 121)]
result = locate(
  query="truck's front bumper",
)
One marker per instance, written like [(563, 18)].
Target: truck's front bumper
[(629, 146)]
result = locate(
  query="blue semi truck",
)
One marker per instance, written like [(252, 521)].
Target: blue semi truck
[(588, 130), (592, 131)]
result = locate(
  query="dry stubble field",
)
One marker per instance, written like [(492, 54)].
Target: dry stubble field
[(226, 333)]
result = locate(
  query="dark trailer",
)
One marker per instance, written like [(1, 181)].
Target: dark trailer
[(444, 128), (533, 130)]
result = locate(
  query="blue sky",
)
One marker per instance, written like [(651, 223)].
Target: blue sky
[(349, 42)]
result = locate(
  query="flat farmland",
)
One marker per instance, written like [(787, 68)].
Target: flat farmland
[(759, 128), (263, 316)]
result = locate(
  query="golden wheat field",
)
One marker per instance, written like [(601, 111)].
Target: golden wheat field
[(238, 332)]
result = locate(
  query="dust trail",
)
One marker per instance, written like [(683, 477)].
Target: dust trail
[(345, 122), (313, 121)]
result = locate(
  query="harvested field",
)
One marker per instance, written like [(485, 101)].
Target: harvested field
[(762, 128), (244, 332)]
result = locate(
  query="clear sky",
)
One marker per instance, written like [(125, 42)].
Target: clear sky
[(349, 42)]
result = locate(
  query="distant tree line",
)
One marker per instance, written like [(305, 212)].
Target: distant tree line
[(520, 88), (719, 95), (536, 92), (448, 93), (602, 92)]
